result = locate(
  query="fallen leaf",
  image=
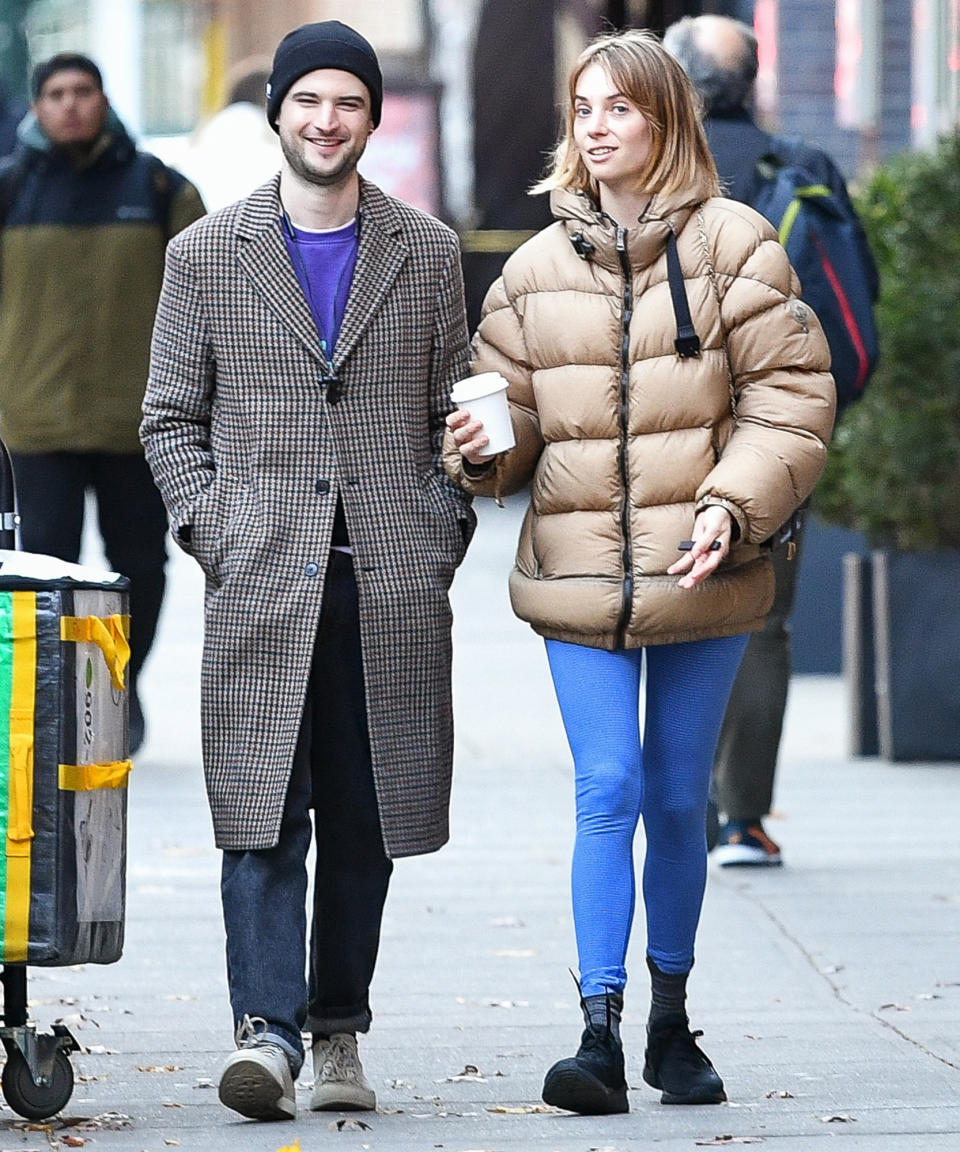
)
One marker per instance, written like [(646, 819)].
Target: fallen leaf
[(159, 1068), (723, 1141), (470, 1072), (73, 1141), (106, 1122), (896, 1007), (528, 1109), (840, 1118), (171, 1104), (294, 1147)]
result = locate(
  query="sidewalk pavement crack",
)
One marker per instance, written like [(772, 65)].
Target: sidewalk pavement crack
[(785, 932)]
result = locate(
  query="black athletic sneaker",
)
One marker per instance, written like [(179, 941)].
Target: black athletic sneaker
[(592, 1082), (676, 1065)]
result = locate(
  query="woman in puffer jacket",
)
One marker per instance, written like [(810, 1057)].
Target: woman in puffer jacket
[(639, 434)]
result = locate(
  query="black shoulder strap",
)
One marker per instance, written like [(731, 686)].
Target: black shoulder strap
[(12, 175), (162, 185), (687, 342)]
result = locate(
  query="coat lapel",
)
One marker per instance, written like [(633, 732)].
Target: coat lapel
[(379, 259), (265, 260)]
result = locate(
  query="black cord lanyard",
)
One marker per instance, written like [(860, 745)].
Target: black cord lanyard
[(329, 378)]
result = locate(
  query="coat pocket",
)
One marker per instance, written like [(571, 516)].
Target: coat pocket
[(456, 520), (216, 521)]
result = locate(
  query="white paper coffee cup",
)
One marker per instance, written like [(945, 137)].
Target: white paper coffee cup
[(485, 398)]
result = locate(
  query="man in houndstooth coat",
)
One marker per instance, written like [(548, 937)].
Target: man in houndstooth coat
[(305, 346)]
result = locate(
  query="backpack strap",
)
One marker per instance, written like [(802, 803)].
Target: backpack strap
[(687, 342), (12, 176), (161, 185)]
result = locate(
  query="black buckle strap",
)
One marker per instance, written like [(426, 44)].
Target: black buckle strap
[(687, 342)]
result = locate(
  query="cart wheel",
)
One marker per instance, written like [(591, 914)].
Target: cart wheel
[(36, 1102)]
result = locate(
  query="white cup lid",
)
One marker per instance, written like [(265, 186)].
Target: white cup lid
[(473, 387)]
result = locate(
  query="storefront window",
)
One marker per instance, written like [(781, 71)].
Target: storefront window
[(57, 26), (173, 65)]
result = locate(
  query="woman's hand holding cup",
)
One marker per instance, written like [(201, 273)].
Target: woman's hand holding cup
[(469, 436), (489, 430)]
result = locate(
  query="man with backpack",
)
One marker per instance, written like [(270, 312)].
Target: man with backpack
[(801, 191), (84, 223)]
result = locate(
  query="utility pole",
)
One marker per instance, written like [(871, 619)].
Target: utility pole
[(616, 14)]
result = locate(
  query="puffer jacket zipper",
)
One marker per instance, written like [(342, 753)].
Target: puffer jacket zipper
[(624, 423)]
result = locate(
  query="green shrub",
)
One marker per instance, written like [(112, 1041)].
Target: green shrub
[(893, 471)]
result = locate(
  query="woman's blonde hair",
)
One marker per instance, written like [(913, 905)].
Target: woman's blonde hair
[(647, 75)]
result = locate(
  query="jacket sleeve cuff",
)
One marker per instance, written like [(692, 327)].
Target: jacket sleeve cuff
[(738, 527)]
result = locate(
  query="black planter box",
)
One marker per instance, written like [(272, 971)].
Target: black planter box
[(902, 654)]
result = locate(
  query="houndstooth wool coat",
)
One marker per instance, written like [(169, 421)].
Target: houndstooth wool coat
[(250, 450)]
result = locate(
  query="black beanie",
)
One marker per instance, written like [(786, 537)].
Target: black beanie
[(328, 44), (63, 62)]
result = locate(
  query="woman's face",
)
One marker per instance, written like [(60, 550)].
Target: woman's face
[(610, 131)]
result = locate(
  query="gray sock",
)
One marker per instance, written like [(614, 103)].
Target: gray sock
[(603, 1011), (668, 993)]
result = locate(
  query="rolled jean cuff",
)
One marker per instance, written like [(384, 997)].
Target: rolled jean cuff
[(326, 1021), (293, 1051)]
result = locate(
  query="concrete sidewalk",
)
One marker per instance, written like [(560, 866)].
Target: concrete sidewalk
[(828, 990)]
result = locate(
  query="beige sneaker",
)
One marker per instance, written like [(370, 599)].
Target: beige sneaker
[(339, 1083), (256, 1080)]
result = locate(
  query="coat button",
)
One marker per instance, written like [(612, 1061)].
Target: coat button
[(322, 487), (311, 568)]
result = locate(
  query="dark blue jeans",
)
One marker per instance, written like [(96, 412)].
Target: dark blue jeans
[(264, 892)]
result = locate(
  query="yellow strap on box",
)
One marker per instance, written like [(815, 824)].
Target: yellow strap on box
[(20, 814), (89, 777), (20, 797), (109, 635)]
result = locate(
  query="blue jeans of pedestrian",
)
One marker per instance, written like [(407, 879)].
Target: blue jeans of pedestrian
[(264, 892)]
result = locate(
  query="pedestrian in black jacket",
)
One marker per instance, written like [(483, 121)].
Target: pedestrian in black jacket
[(719, 55)]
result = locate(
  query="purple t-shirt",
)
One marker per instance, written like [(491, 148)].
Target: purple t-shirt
[(324, 264)]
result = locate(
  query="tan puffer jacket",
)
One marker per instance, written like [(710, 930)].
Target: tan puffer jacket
[(624, 441)]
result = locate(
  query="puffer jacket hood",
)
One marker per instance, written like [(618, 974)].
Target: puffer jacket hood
[(623, 441), (593, 233)]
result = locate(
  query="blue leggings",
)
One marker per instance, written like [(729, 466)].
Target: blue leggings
[(665, 778)]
